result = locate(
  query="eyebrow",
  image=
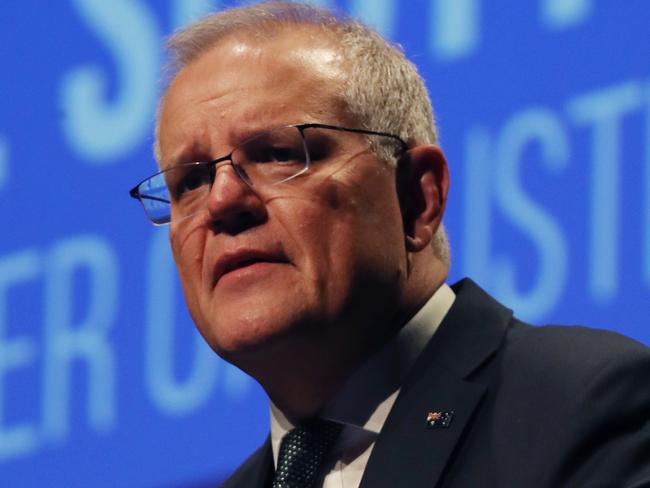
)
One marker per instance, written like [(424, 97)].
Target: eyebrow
[(244, 131), (238, 133), (195, 151)]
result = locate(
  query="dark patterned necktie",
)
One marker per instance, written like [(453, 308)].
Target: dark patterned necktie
[(302, 452)]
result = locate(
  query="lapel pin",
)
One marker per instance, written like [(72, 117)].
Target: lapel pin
[(439, 419)]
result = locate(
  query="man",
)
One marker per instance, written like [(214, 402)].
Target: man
[(312, 256)]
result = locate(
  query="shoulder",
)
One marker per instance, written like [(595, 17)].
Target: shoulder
[(582, 394), (557, 364), (571, 379), (572, 354)]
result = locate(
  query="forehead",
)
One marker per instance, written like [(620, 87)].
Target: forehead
[(242, 84)]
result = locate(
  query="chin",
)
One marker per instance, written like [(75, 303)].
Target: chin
[(243, 336)]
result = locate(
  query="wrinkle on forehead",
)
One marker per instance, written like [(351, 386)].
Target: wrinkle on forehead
[(315, 60), (296, 74)]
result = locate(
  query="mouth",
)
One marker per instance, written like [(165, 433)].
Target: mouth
[(231, 262)]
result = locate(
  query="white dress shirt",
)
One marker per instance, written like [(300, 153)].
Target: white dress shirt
[(363, 404)]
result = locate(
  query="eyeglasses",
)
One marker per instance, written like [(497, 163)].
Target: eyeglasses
[(267, 158)]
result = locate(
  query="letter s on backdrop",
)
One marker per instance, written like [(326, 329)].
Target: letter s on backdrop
[(98, 128)]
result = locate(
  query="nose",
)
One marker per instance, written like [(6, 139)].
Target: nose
[(232, 204)]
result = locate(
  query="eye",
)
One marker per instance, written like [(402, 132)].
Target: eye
[(321, 147), (277, 154), (183, 181), (191, 182), (282, 147), (285, 155)]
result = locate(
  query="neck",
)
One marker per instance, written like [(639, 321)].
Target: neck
[(302, 375)]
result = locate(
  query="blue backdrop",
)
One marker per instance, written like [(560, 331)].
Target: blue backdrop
[(544, 112)]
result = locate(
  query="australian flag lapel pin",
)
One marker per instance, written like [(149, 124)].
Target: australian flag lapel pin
[(439, 420)]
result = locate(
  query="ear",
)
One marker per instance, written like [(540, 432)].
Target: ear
[(422, 186)]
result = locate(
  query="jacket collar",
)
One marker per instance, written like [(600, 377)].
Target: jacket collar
[(407, 452)]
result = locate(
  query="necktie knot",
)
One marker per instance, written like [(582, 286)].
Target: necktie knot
[(302, 452)]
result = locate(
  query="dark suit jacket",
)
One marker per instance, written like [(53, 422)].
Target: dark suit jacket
[(533, 407)]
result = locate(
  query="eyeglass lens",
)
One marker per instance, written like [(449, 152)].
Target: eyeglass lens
[(267, 158)]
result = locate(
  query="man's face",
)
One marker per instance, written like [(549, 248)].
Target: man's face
[(317, 259)]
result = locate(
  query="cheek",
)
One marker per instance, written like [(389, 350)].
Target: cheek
[(373, 232), (338, 238), (310, 241), (188, 244)]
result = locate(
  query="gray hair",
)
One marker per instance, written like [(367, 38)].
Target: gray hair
[(382, 92)]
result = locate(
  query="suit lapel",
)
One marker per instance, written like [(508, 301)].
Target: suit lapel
[(407, 451), (256, 472)]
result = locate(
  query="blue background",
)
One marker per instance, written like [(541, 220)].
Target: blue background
[(544, 113)]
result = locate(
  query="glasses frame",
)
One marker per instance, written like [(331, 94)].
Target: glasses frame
[(135, 191)]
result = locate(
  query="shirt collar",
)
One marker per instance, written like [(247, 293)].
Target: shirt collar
[(366, 398)]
